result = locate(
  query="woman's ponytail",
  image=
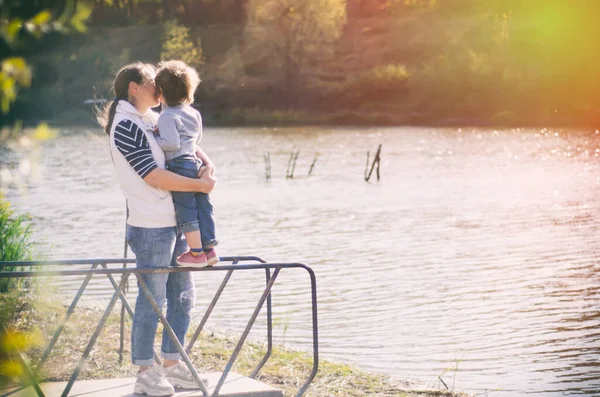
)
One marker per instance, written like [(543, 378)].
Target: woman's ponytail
[(106, 116)]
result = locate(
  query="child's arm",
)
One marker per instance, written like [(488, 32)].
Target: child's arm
[(203, 156), (210, 167), (199, 152), (168, 132)]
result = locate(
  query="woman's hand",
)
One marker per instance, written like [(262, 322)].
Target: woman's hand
[(167, 180), (207, 181), (210, 167)]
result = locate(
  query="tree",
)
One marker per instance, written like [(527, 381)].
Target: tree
[(125, 12), (20, 25), (291, 33), (178, 44)]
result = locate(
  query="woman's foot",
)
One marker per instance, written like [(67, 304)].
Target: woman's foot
[(212, 258), (180, 376), (153, 382), (188, 259)]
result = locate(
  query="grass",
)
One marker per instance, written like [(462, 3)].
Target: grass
[(37, 319), (14, 243)]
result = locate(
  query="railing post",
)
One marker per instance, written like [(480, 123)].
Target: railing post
[(208, 312), (315, 329), (237, 349), (269, 332), (122, 325), (93, 339), (63, 322), (125, 304)]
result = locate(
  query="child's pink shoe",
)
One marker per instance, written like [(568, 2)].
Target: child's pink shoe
[(212, 258), (189, 260)]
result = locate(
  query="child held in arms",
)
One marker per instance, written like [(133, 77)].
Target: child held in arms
[(179, 133)]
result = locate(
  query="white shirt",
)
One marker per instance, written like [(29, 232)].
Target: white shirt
[(135, 154)]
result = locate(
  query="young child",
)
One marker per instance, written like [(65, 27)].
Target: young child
[(179, 132)]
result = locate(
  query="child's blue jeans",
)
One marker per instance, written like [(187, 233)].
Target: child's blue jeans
[(194, 211)]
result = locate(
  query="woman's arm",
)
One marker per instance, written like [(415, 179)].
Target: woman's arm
[(167, 180), (131, 141)]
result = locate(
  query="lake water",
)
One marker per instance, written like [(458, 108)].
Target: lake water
[(477, 251)]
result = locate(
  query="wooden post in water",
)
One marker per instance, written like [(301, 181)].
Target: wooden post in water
[(376, 161), (268, 166), (292, 164), (287, 172), (312, 166)]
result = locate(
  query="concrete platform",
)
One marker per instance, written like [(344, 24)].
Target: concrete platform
[(236, 385)]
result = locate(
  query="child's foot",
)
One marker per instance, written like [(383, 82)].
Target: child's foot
[(188, 259), (212, 258)]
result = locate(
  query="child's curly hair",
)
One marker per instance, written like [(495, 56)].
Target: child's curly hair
[(177, 82)]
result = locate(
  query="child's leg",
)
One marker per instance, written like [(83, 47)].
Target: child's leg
[(206, 221), (187, 219), (186, 212), (194, 239), (185, 202)]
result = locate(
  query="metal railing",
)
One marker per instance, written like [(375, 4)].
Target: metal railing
[(101, 266)]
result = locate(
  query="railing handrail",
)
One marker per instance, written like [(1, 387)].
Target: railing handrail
[(119, 287), (108, 261), (129, 270)]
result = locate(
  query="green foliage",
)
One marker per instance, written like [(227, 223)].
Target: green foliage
[(384, 77), (178, 44), (14, 73), (192, 12), (473, 60), (19, 25), (381, 83), (13, 309), (14, 242)]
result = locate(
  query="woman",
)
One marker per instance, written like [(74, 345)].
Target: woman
[(151, 226)]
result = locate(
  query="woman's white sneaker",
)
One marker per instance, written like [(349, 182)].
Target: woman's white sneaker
[(153, 382), (180, 376)]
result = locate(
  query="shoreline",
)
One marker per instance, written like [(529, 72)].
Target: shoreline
[(286, 369), (350, 119)]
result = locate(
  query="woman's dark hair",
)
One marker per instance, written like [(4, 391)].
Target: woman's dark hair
[(134, 72)]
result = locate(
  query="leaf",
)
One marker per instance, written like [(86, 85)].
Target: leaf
[(42, 18), (43, 132), (16, 68), (81, 15), (11, 369), (12, 30), (14, 341)]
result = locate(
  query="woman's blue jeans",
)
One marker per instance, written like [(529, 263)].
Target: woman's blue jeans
[(155, 248)]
